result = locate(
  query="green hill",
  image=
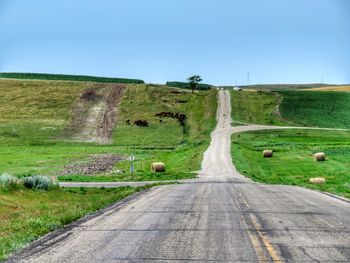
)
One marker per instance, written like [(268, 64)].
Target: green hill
[(301, 108), (317, 108), (35, 115)]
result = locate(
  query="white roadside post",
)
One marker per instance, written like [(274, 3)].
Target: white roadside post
[(131, 160)]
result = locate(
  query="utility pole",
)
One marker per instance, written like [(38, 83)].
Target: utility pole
[(321, 79), (248, 78)]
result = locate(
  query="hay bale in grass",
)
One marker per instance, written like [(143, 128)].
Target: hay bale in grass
[(320, 157), (158, 167), (267, 153), (317, 180)]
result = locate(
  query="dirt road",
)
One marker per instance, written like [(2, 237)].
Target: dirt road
[(221, 217)]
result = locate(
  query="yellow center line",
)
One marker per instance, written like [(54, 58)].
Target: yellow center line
[(255, 241), (267, 243), (270, 249)]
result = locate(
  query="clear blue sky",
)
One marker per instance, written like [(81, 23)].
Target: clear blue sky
[(277, 41)]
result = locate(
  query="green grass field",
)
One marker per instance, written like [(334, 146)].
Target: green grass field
[(26, 215), (179, 147), (317, 108), (34, 114), (35, 111), (297, 108), (258, 107), (293, 161)]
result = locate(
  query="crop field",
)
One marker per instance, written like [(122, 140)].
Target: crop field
[(43, 76), (339, 88), (295, 108), (320, 109), (293, 162)]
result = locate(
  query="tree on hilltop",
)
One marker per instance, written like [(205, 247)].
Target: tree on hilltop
[(194, 81)]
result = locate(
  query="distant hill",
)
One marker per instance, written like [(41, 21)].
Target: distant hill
[(44, 76), (281, 86), (341, 88)]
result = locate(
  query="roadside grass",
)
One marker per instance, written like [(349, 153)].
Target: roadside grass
[(45, 159), (259, 107), (317, 108), (26, 215), (293, 162), (181, 163)]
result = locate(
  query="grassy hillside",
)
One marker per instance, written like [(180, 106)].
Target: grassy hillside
[(180, 147), (259, 107), (292, 162), (43, 76), (321, 109), (35, 111), (298, 108), (34, 114)]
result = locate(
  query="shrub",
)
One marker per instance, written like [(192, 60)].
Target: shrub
[(141, 123), (8, 181), (38, 182)]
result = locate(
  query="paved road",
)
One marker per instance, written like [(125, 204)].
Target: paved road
[(221, 217)]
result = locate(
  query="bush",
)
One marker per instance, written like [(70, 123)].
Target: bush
[(38, 182), (8, 181)]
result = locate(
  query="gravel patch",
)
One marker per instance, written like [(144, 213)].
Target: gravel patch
[(97, 164)]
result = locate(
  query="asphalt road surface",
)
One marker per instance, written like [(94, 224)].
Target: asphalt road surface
[(220, 217)]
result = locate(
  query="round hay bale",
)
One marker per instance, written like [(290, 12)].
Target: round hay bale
[(158, 167), (317, 180), (320, 157), (267, 153)]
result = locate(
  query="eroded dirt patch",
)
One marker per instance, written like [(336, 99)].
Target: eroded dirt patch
[(94, 114), (96, 164)]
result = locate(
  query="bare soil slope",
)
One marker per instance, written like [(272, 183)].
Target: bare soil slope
[(94, 114)]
